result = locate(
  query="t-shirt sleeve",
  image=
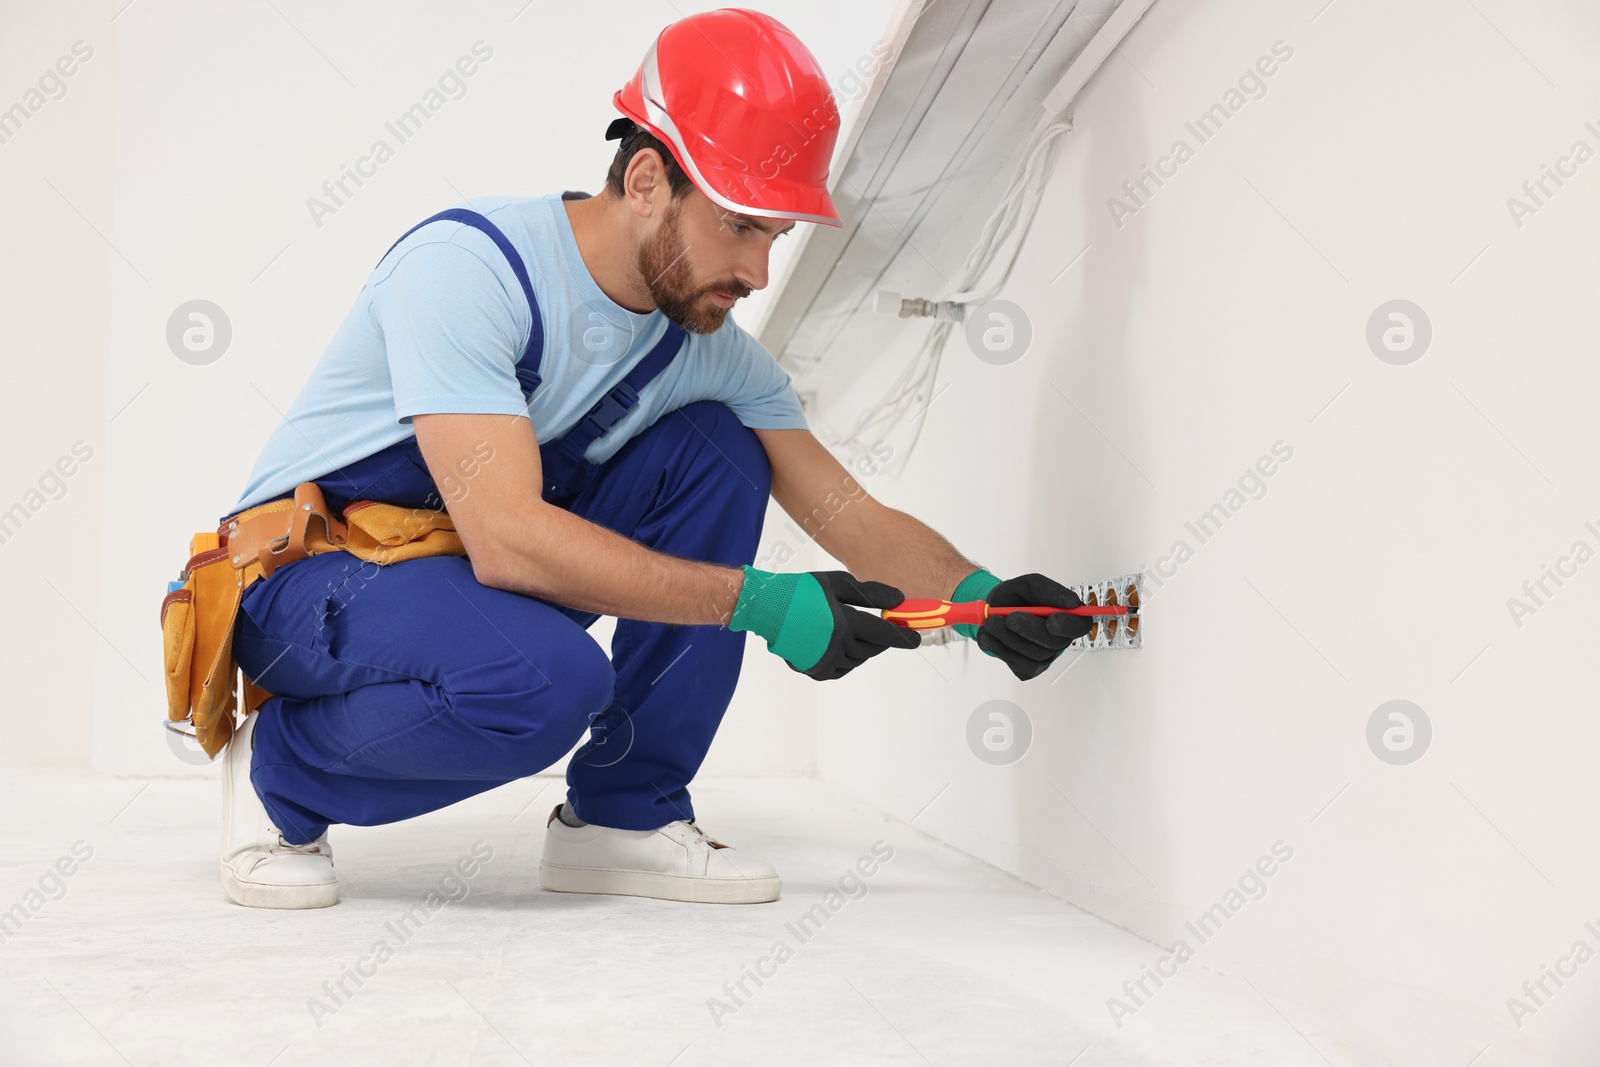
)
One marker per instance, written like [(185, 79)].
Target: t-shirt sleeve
[(451, 331), (752, 384)]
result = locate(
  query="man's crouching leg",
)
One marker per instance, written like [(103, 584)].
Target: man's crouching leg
[(398, 690), (694, 484)]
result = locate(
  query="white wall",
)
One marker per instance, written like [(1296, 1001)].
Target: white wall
[(55, 273), (1222, 317), (177, 166)]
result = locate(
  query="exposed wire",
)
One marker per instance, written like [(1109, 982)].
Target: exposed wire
[(1007, 224)]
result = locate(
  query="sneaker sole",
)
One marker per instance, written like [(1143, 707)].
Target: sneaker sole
[(564, 879), (282, 897)]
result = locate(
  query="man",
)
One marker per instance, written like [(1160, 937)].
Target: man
[(559, 372)]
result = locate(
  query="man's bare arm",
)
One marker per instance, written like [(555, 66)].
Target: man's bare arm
[(876, 543), (488, 471)]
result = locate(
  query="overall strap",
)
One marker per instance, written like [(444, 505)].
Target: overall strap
[(528, 366), (622, 397)]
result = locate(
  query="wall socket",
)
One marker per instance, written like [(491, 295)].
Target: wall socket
[(1113, 631)]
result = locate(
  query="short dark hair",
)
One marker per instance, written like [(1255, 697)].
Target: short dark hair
[(631, 144)]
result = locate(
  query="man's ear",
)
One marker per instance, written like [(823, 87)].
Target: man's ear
[(645, 185)]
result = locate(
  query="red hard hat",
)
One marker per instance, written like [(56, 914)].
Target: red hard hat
[(745, 109)]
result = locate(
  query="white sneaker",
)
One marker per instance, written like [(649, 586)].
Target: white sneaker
[(259, 868), (676, 862)]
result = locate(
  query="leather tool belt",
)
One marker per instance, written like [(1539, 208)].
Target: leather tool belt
[(198, 611)]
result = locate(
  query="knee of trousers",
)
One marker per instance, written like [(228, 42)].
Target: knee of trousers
[(582, 679), (537, 713), (738, 450)]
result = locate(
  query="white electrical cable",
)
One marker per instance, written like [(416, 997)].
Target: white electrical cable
[(1004, 221), (1012, 215)]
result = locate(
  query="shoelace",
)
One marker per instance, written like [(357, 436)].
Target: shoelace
[(311, 848), (713, 842)]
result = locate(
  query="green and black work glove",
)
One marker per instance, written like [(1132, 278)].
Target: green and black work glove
[(805, 621), (1028, 644)]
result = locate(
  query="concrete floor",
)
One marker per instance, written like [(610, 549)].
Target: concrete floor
[(136, 958)]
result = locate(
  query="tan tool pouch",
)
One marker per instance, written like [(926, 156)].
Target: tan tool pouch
[(197, 618)]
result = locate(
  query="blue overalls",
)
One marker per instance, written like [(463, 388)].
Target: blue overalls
[(403, 688)]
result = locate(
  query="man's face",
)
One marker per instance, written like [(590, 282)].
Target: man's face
[(701, 259)]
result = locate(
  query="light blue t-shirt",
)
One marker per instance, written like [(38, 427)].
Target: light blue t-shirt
[(439, 328)]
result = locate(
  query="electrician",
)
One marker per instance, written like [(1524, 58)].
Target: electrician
[(581, 345)]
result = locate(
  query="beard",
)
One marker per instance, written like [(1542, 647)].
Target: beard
[(663, 263)]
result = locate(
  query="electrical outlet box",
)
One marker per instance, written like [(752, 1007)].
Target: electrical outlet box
[(1113, 631)]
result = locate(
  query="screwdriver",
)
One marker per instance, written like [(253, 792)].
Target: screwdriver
[(928, 613)]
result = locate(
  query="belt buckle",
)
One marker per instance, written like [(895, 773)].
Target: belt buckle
[(612, 407)]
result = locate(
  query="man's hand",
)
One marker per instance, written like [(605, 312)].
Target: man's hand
[(804, 619), (1028, 644)]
